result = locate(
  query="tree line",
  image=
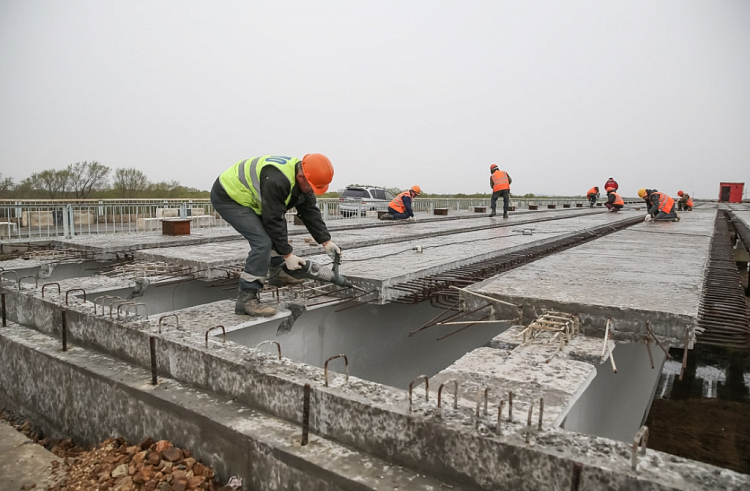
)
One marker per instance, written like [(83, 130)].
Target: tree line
[(93, 180)]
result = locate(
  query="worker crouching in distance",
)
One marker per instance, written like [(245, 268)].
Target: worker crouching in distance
[(614, 201), (500, 184), (660, 205), (253, 197), (685, 203), (400, 207), (593, 195)]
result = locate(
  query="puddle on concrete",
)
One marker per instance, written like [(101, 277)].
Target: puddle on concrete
[(376, 340), (706, 416)]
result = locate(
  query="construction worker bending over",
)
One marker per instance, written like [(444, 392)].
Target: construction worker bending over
[(611, 183), (614, 201), (660, 205), (593, 195), (500, 184), (253, 196), (400, 207), (685, 202)]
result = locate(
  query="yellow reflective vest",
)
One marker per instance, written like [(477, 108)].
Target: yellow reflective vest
[(242, 180)]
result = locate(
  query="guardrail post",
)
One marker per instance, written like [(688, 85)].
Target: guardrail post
[(71, 220), (66, 231)]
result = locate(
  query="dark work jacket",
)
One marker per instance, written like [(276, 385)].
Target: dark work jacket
[(274, 188), (653, 202), (611, 198)]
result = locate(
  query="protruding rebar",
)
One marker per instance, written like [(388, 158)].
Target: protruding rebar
[(152, 347), (685, 353), (64, 330), (67, 294), (306, 415), (325, 366), (641, 438), (499, 429), (541, 411), (5, 320), (223, 331), (455, 393), (58, 290), (278, 346), (161, 319), (510, 406)]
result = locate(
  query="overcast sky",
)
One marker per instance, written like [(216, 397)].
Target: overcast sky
[(396, 93)]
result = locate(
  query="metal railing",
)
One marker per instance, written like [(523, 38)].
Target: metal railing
[(23, 220)]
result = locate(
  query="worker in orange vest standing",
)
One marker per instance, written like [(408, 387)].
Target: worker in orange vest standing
[(614, 201), (685, 202), (500, 184), (400, 207), (660, 205), (593, 195)]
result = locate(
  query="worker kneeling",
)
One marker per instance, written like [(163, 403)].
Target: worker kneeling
[(593, 195), (254, 196), (400, 207), (614, 201), (685, 202), (660, 205)]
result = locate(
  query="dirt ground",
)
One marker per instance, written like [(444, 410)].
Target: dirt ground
[(696, 429)]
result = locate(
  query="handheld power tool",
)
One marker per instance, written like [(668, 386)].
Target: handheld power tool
[(314, 271)]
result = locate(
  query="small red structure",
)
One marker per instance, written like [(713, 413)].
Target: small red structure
[(731, 192)]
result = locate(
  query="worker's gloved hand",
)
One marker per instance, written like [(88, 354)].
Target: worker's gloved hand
[(648, 218), (331, 249), (293, 262)]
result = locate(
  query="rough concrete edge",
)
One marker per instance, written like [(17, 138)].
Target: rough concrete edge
[(254, 381)]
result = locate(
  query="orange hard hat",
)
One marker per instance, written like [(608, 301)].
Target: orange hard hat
[(680, 193), (609, 189), (416, 189), (493, 167), (318, 171)]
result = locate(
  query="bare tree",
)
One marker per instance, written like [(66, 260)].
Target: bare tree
[(86, 177), (6, 186), (53, 183), (130, 182)]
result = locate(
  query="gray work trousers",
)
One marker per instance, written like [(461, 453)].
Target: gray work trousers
[(249, 225), (505, 193)]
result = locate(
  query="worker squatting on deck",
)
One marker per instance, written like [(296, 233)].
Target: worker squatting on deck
[(660, 205), (614, 201), (253, 197), (685, 203), (400, 207)]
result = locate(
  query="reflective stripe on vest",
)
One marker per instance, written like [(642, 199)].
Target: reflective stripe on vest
[(666, 204), (242, 181), (500, 181), (618, 199), (398, 202)]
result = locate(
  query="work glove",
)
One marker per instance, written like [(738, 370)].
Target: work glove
[(648, 218), (331, 249), (293, 262)]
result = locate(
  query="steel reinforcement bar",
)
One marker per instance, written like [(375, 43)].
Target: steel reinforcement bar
[(723, 313)]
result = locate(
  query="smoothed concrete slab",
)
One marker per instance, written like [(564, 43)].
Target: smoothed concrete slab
[(23, 462), (649, 272)]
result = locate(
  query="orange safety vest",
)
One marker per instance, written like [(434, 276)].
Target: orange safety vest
[(398, 202), (666, 204), (689, 201), (499, 181), (591, 191), (618, 199)]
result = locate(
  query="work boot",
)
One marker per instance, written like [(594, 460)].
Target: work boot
[(387, 216), (248, 303), (505, 214), (492, 213)]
